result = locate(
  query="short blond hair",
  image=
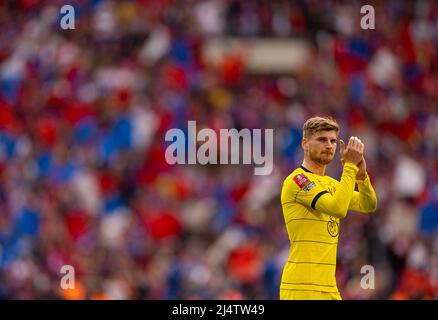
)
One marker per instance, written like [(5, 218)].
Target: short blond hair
[(317, 124)]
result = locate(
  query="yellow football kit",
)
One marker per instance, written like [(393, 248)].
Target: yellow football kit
[(312, 206)]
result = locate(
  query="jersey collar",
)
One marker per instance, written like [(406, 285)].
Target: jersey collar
[(305, 169)]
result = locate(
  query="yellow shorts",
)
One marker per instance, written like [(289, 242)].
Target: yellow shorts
[(286, 294)]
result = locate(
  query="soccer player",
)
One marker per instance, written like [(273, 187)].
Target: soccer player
[(313, 204)]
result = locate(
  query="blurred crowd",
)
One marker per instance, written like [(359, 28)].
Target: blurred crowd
[(83, 176)]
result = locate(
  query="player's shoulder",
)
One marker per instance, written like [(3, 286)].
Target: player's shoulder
[(297, 171), (330, 179), (298, 178)]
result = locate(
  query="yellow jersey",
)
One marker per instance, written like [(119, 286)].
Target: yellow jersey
[(312, 207)]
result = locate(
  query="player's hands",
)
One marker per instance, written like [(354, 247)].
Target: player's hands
[(353, 153), (362, 173)]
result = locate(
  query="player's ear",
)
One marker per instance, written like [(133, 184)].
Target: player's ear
[(304, 144)]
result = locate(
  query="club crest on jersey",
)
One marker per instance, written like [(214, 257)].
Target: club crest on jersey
[(303, 182), (332, 227)]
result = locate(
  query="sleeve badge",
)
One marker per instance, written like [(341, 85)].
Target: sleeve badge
[(303, 182)]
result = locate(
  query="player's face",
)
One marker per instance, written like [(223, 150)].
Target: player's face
[(321, 147)]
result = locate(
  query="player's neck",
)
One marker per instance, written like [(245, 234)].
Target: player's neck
[(313, 167)]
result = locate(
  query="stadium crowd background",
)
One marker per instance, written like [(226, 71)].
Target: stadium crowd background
[(84, 181)]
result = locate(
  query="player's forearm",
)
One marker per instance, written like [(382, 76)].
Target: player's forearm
[(338, 203), (367, 196)]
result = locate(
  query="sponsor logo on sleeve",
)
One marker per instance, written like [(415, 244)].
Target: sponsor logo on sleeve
[(309, 186), (303, 182)]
